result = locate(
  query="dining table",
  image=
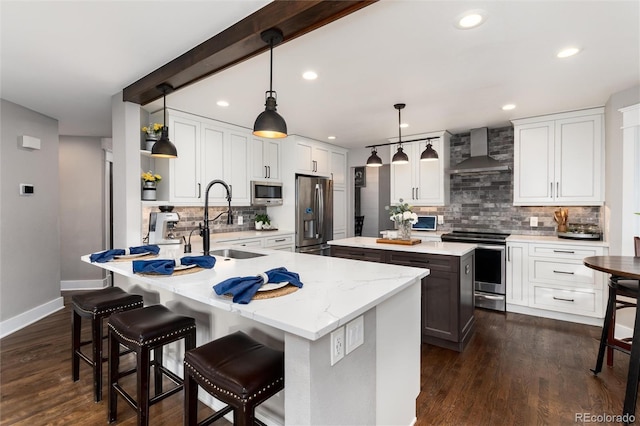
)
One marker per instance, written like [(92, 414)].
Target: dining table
[(625, 267)]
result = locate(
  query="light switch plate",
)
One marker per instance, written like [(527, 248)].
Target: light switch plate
[(355, 334), (440, 219), (533, 221)]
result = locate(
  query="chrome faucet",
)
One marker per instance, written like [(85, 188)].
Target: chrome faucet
[(204, 229)]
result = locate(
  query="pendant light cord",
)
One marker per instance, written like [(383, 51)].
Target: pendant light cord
[(271, 68), (399, 127)]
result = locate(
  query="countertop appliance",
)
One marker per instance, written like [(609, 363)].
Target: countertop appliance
[(161, 228), (490, 266), (314, 214), (582, 231)]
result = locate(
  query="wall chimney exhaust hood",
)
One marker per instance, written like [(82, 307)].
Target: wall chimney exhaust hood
[(480, 161)]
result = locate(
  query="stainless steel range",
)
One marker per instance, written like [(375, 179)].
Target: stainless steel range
[(490, 266)]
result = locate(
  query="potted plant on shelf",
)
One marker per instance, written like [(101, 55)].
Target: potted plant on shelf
[(262, 220), (149, 183), (403, 217), (151, 134)]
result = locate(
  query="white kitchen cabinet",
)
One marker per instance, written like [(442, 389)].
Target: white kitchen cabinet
[(559, 159), (282, 242), (265, 159), (517, 280), (207, 150), (312, 157), (339, 213), (422, 183), (338, 167)]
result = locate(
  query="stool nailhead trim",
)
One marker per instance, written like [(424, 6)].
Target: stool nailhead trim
[(146, 342), (226, 392), (116, 308)]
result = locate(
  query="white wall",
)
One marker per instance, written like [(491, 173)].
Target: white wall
[(29, 225), (81, 162), (614, 171)]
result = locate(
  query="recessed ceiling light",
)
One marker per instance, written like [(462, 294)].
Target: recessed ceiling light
[(309, 75), (509, 107), (569, 51), (470, 19), (331, 137), (222, 103), (403, 125)]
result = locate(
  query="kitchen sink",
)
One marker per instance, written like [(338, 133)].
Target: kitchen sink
[(235, 254)]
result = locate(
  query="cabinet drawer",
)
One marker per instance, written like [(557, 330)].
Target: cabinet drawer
[(569, 301), (571, 273), (355, 253), (280, 240), (564, 252), (257, 242), (420, 260)]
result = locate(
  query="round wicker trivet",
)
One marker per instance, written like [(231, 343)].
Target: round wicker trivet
[(282, 291), (145, 257), (175, 273)]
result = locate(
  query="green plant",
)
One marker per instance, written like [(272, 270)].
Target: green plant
[(402, 212), (264, 218)]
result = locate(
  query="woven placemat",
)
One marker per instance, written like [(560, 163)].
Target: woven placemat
[(269, 294), (175, 273), (145, 257)]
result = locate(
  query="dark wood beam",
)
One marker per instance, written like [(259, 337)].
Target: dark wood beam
[(240, 42)]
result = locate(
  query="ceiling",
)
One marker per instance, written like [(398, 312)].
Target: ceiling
[(67, 59)]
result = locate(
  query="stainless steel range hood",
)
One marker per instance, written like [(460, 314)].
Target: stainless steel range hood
[(480, 161)]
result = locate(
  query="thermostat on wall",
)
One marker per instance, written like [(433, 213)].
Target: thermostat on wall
[(26, 189)]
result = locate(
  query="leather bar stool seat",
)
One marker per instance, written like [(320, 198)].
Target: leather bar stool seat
[(146, 330), (96, 305), (238, 371)]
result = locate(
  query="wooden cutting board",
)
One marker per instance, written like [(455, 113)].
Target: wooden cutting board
[(410, 242)]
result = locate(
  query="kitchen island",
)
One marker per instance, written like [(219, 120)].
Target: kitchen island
[(375, 383), (447, 294)]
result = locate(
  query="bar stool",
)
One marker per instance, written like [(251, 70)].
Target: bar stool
[(145, 330), (236, 370), (96, 305)]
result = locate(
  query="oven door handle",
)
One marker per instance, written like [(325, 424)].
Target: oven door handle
[(487, 296), (487, 247)]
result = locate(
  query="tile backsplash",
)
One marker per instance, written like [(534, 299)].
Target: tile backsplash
[(484, 201)]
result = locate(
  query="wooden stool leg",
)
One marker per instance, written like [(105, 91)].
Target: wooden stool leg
[(157, 372), (190, 399), (144, 373), (75, 345), (243, 416), (114, 368), (611, 336), (605, 330), (631, 395), (96, 335)]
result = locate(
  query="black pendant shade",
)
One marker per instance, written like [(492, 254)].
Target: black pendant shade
[(429, 154), (164, 148), (269, 123), (374, 160), (400, 157)]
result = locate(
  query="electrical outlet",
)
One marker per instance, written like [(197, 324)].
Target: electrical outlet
[(355, 334), (533, 221), (337, 345), (440, 219), (240, 220)]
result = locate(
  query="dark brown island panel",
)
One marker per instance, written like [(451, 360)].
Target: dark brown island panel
[(447, 292)]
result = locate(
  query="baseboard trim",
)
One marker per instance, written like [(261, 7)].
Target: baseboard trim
[(562, 316), (83, 284), (24, 319)]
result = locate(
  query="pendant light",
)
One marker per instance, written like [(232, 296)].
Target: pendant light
[(374, 160), (164, 148), (269, 123), (429, 154), (400, 157)]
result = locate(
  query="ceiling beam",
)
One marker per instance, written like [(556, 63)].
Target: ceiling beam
[(240, 42)]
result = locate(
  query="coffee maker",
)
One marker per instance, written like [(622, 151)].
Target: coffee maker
[(161, 226)]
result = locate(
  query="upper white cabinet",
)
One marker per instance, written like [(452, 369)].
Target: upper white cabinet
[(207, 150), (312, 157), (265, 159), (559, 159), (338, 167), (422, 183)]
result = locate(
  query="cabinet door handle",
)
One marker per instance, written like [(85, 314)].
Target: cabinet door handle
[(199, 190), (269, 169), (266, 173), (280, 240), (564, 251), (564, 300), (551, 188), (508, 254), (417, 192), (563, 272), (557, 189), (413, 193)]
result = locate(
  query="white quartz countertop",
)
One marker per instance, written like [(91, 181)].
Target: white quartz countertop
[(426, 247), (335, 290), (551, 239), (231, 236)]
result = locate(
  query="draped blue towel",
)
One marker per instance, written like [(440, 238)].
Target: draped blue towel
[(108, 255), (156, 266), (202, 261), (244, 288)]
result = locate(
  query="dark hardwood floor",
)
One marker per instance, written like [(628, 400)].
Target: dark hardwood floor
[(516, 370)]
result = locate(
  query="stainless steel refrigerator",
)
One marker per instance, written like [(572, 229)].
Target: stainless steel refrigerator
[(314, 214)]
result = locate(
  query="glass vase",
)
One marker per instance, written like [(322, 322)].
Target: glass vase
[(404, 230)]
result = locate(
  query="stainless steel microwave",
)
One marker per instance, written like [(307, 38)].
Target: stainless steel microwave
[(266, 193)]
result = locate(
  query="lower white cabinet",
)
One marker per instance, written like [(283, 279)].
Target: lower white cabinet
[(552, 277), (276, 242)]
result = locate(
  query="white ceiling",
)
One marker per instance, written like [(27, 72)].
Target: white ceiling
[(66, 60)]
